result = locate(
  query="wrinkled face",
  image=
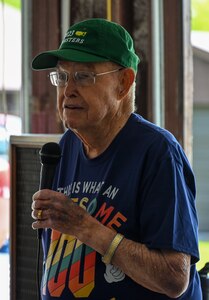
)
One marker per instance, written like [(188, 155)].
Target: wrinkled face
[(88, 107)]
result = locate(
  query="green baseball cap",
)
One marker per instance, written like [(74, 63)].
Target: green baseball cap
[(92, 40)]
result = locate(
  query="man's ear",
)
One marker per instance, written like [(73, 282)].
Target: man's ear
[(127, 77)]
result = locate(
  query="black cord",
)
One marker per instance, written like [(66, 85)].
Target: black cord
[(37, 270)]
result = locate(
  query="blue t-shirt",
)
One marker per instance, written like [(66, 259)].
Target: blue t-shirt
[(143, 187)]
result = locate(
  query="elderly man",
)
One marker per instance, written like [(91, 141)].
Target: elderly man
[(120, 222)]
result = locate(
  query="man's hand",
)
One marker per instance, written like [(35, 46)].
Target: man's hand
[(54, 210)]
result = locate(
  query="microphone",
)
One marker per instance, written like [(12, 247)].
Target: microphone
[(50, 155)]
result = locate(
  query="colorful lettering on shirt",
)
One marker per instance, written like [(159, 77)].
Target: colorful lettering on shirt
[(70, 263)]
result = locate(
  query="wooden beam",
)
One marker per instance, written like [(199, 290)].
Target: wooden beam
[(45, 36), (173, 50)]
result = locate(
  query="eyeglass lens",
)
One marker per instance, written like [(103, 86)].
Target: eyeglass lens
[(81, 78)]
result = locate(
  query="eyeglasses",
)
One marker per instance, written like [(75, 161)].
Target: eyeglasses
[(81, 78)]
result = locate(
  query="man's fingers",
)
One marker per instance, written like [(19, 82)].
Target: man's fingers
[(38, 224), (41, 204), (42, 194)]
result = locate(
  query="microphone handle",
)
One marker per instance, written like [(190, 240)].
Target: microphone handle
[(47, 176), (46, 180)]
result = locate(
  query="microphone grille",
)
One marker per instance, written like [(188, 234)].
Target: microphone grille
[(50, 153)]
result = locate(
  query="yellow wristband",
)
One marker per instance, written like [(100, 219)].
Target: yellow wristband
[(112, 248)]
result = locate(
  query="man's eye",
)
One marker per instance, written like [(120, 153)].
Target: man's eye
[(82, 75), (61, 76)]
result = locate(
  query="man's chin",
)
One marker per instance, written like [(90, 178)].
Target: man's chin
[(70, 125)]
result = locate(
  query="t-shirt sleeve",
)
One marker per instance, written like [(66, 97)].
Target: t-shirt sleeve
[(168, 218)]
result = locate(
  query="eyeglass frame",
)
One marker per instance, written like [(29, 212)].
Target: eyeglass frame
[(94, 75)]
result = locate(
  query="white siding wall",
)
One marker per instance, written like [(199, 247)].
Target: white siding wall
[(201, 79), (201, 163)]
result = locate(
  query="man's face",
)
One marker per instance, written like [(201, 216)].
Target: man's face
[(87, 108)]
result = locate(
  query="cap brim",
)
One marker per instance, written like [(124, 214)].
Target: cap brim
[(49, 59)]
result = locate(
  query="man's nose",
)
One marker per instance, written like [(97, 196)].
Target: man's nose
[(70, 86)]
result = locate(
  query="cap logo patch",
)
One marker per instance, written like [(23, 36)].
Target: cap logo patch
[(77, 37), (80, 33), (69, 33)]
